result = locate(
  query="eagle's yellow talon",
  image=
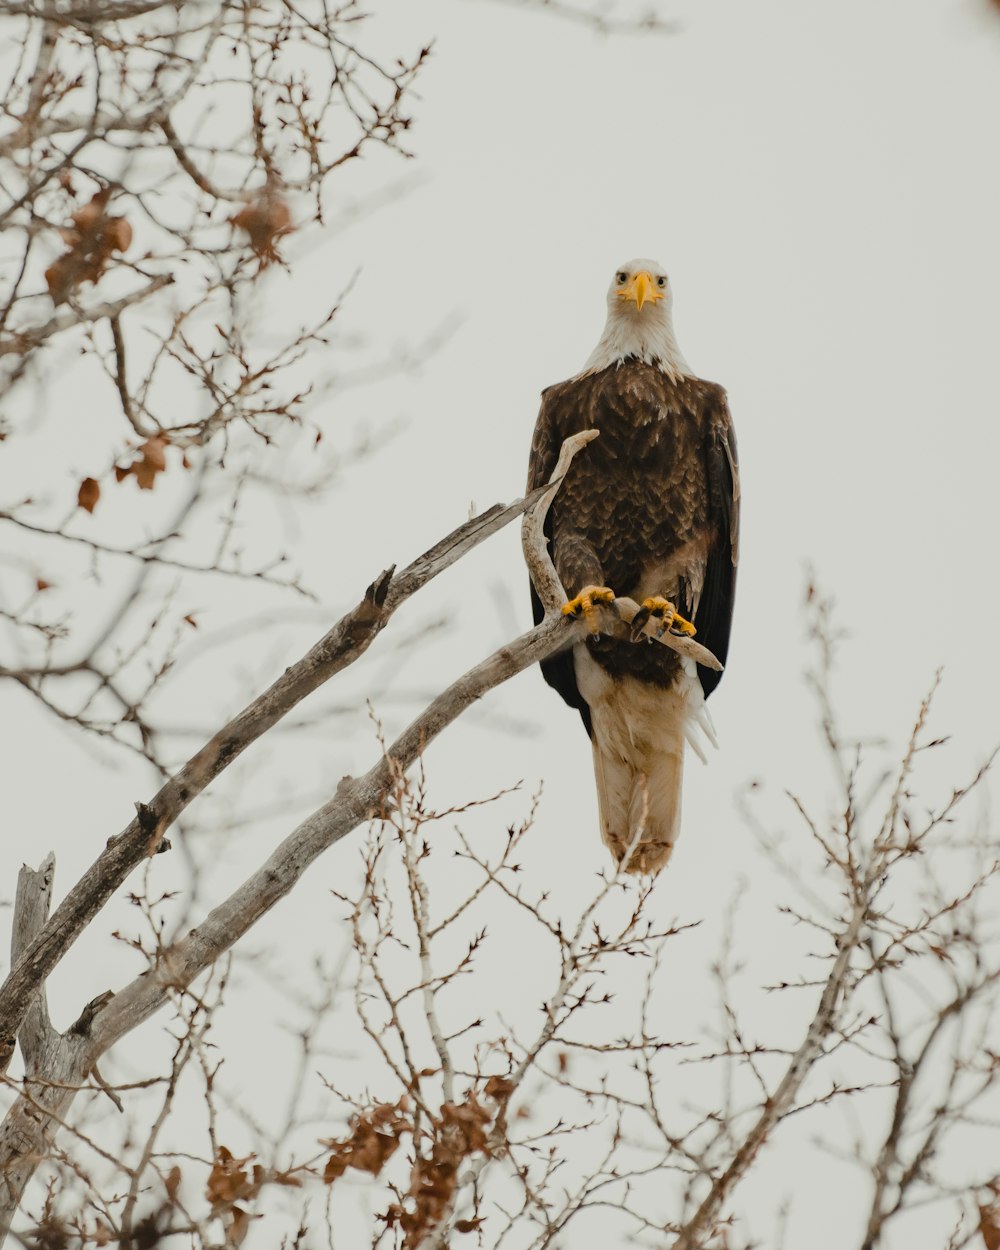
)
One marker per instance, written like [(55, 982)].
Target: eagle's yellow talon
[(669, 619), (585, 604)]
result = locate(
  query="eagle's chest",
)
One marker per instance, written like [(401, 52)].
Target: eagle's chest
[(644, 479)]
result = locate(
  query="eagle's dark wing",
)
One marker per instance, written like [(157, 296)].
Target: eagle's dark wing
[(545, 447), (714, 617)]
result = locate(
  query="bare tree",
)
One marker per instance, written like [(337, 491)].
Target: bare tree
[(517, 1133), (157, 160)]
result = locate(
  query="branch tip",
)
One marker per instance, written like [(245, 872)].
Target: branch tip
[(85, 1020), (378, 591)]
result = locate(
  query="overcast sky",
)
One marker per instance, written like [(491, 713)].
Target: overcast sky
[(820, 181)]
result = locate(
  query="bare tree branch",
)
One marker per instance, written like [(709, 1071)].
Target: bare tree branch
[(354, 801), (31, 911), (339, 647), (29, 337)]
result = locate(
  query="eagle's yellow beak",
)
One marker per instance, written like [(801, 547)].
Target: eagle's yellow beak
[(641, 289)]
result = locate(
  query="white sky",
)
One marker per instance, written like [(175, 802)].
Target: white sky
[(820, 181)]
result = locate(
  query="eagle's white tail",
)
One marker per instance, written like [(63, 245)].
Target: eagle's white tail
[(639, 735)]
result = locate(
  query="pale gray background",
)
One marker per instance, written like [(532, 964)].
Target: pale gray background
[(821, 182)]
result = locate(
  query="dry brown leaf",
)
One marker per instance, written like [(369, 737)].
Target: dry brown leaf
[(499, 1088), (464, 1125), (459, 1132), (150, 459), (989, 1227), (88, 494), (265, 220), (228, 1180), (119, 234), (91, 240), (239, 1225), (173, 1183), (375, 1138)]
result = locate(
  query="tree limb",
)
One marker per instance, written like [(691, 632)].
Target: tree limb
[(33, 1121), (18, 342), (355, 800), (31, 910), (54, 1065), (340, 647)]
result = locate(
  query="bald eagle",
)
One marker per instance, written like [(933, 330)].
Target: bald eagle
[(649, 510)]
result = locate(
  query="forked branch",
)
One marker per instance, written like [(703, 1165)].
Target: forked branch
[(32, 1121), (348, 639)]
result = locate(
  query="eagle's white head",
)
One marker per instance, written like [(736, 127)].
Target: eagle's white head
[(640, 321)]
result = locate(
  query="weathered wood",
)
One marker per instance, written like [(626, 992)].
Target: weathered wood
[(31, 910), (335, 651), (534, 544), (30, 1126), (54, 1066), (63, 1063)]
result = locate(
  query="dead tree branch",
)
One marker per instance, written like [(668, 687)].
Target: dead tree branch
[(31, 911), (354, 801), (339, 647)]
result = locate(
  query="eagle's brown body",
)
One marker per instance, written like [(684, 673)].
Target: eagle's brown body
[(650, 508)]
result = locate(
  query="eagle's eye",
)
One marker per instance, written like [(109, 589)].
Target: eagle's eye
[(661, 281), (621, 277)]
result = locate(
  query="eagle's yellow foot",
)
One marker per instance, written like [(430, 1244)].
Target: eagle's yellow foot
[(585, 604), (666, 613)]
